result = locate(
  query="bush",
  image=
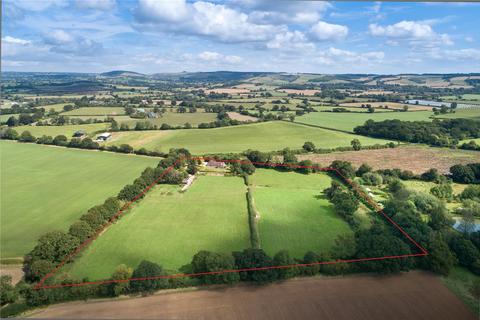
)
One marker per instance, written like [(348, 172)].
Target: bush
[(9, 134), (464, 173), (471, 192), (372, 179), (60, 140), (26, 136), (364, 168), (147, 270), (345, 168), (206, 261)]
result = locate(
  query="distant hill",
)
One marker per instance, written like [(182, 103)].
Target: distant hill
[(121, 73), (216, 76)]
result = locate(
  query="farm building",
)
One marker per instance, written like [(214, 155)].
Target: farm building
[(79, 134), (104, 136), (216, 164), (152, 115)]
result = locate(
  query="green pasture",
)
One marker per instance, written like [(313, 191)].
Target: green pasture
[(66, 130), (467, 113), (294, 213), (348, 121), (95, 111), (176, 119), (47, 188), (267, 136), (169, 227)]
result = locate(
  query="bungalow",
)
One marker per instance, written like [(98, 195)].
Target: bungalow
[(216, 164), (104, 136)]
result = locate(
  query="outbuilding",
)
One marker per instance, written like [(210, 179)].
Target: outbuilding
[(104, 136)]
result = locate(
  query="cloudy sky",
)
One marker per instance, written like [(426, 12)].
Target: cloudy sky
[(152, 36)]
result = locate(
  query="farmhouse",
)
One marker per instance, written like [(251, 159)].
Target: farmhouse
[(104, 136)]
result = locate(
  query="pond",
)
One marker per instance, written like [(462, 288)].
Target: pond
[(458, 225)]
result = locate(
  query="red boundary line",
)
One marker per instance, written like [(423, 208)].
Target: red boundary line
[(40, 284)]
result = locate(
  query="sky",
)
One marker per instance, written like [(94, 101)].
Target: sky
[(155, 36)]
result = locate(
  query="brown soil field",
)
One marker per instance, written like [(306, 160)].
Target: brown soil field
[(227, 90), (416, 295), (306, 92), (240, 117), (14, 271), (418, 159)]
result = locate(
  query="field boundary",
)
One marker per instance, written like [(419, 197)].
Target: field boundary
[(365, 197)]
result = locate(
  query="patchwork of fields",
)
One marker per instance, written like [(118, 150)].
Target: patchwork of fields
[(267, 136), (48, 188), (169, 227), (66, 130)]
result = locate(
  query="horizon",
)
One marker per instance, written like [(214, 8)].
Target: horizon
[(94, 36)]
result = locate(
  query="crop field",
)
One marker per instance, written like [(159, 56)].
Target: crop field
[(66, 130), (268, 136), (294, 215), (48, 188), (348, 121), (95, 111), (169, 227), (401, 157), (391, 105)]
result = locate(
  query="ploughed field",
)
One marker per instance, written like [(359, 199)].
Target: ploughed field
[(267, 136), (414, 295), (294, 214), (47, 188), (169, 227)]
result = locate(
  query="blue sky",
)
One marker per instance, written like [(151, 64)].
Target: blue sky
[(151, 36)]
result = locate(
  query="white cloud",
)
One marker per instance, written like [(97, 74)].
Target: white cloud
[(201, 18), (334, 56), (273, 12), (327, 31), (462, 54), (12, 40), (211, 56), (289, 41), (95, 4), (61, 41), (162, 11), (411, 30)]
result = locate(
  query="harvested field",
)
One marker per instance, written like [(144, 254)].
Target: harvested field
[(240, 117), (306, 92), (416, 295), (415, 158)]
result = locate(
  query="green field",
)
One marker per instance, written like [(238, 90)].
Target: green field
[(348, 121), (57, 106), (292, 215), (47, 188), (169, 227), (66, 130), (459, 281), (95, 111), (267, 136), (468, 113), (176, 119)]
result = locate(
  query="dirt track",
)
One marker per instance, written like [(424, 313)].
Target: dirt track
[(415, 295)]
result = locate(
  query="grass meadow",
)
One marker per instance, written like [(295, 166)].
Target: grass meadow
[(267, 136), (47, 188), (66, 130), (293, 213), (169, 227), (348, 121), (95, 111), (467, 113)]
